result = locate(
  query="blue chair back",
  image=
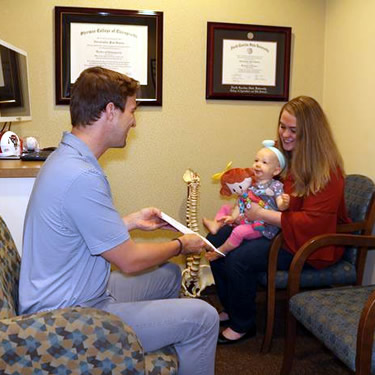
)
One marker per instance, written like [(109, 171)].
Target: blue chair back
[(358, 197)]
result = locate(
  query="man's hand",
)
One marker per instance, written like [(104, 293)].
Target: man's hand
[(146, 219), (212, 255), (192, 244)]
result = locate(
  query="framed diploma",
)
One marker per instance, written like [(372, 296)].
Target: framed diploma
[(127, 41), (248, 62)]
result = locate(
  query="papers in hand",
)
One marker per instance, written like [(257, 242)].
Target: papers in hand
[(185, 230)]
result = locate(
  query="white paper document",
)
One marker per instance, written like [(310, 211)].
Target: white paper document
[(185, 230)]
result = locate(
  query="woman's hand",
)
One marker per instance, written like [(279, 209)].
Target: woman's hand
[(147, 219), (254, 212)]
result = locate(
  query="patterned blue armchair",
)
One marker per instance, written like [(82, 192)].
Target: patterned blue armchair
[(342, 318), (67, 341), (360, 203)]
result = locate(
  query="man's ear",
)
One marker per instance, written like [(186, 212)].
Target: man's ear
[(110, 110)]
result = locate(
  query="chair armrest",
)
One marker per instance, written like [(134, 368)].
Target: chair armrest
[(87, 339), (299, 259), (365, 337), (351, 227)]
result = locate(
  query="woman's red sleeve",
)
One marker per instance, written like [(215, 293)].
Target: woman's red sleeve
[(315, 215)]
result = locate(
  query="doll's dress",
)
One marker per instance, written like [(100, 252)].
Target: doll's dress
[(244, 203)]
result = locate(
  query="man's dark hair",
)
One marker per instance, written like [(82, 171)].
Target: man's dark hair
[(94, 89)]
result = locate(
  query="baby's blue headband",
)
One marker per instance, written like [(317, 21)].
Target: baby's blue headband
[(270, 145)]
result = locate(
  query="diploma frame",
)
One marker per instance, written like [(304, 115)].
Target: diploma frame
[(277, 87), (151, 93)]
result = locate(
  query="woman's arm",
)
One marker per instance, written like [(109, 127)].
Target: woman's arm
[(255, 212), (314, 215)]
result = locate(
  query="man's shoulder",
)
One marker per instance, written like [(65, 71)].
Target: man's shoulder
[(68, 164), (60, 171)]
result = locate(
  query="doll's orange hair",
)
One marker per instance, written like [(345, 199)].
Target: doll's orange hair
[(232, 176)]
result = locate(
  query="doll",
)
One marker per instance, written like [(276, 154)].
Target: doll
[(254, 184), (236, 181)]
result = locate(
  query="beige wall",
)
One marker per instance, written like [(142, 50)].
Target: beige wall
[(188, 131), (349, 87), (349, 83)]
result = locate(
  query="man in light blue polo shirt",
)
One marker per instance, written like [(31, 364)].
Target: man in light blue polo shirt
[(72, 234)]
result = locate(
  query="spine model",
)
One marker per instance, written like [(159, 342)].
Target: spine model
[(190, 275)]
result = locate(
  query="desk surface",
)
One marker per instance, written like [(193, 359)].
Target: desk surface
[(19, 168)]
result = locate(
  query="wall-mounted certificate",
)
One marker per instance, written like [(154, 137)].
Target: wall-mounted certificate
[(129, 42), (122, 48), (247, 62)]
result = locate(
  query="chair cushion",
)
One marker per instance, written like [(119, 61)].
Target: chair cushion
[(67, 341), (9, 273), (332, 315), (342, 272), (162, 362), (77, 340)]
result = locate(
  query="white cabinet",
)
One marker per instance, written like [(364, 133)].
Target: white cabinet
[(16, 183), (15, 194)]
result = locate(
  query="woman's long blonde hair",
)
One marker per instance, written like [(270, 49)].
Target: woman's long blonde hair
[(315, 155)]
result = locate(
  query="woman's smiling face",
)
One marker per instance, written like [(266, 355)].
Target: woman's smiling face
[(288, 130)]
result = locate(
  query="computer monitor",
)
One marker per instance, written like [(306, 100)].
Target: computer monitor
[(14, 84)]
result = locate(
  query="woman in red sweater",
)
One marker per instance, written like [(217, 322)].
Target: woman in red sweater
[(314, 178)]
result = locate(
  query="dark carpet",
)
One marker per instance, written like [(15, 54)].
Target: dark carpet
[(244, 358)]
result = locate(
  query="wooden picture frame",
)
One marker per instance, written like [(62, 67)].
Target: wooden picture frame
[(248, 62), (127, 41)]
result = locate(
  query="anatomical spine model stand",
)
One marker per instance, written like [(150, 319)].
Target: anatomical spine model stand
[(191, 279)]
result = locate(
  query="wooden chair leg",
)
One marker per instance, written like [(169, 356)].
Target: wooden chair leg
[(289, 345), (271, 292), (270, 320), (365, 337)]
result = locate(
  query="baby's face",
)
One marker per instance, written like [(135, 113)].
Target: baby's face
[(266, 165), (240, 187)]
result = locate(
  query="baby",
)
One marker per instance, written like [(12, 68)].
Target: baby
[(251, 185)]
